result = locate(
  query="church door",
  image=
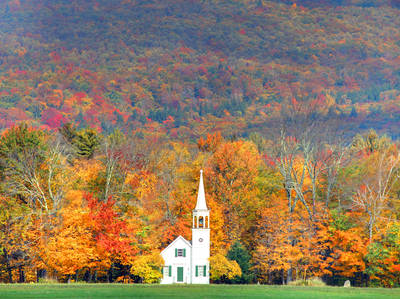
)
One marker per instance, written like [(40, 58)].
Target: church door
[(180, 274)]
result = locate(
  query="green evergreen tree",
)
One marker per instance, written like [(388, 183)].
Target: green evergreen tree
[(240, 254), (22, 144), (86, 143)]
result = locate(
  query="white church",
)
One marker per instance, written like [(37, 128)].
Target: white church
[(185, 261)]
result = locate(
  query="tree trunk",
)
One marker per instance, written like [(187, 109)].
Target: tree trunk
[(21, 274), (290, 240), (370, 229), (89, 276), (40, 273), (289, 275), (109, 274), (8, 266)]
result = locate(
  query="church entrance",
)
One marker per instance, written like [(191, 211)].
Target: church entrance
[(180, 274)]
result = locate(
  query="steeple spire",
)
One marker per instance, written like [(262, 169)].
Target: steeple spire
[(201, 198)]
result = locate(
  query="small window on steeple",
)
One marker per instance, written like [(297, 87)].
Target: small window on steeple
[(201, 222)]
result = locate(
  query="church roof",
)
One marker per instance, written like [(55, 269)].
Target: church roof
[(201, 197), (174, 241)]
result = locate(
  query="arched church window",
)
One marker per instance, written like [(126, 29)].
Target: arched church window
[(201, 222)]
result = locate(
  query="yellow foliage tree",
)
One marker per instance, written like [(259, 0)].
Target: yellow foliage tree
[(222, 268), (148, 267)]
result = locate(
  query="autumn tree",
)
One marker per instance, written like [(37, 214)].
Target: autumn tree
[(148, 267), (113, 240), (304, 158), (33, 167), (171, 166), (383, 257), (234, 167), (222, 269), (347, 247), (72, 246), (376, 191), (286, 241), (370, 142)]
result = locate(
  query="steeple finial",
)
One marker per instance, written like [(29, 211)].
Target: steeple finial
[(201, 197)]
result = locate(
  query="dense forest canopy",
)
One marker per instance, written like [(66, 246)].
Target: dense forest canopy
[(184, 67)]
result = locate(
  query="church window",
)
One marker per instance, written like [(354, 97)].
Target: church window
[(201, 271), (166, 270), (180, 252)]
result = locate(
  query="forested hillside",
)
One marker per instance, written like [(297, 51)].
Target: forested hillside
[(186, 67), (109, 109)]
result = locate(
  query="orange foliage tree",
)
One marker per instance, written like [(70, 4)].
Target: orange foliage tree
[(234, 168)]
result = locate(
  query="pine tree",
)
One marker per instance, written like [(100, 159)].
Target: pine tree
[(240, 254), (86, 143)]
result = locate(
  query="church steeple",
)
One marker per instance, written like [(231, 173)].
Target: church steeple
[(201, 197), (201, 214), (201, 238)]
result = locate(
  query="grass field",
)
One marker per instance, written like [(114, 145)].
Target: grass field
[(27, 291)]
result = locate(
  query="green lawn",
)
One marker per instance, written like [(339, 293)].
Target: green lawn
[(185, 291)]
